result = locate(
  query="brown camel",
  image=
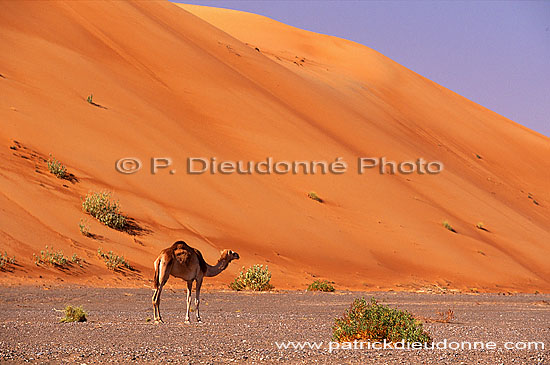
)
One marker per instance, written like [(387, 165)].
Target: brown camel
[(182, 261)]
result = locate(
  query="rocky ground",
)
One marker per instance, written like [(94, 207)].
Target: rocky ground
[(244, 327)]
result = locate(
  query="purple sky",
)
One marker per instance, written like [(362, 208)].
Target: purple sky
[(496, 53)]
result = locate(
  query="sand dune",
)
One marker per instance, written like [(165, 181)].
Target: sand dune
[(193, 81)]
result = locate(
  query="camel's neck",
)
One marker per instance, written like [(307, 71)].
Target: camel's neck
[(220, 266)]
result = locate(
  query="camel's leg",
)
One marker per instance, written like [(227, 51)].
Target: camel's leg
[(189, 288), (198, 299), (155, 299), (156, 305), (164, 274)]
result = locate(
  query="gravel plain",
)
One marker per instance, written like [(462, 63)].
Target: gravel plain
[(245, 327)]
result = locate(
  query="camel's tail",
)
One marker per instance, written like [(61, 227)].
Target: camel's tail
[(156, 282)]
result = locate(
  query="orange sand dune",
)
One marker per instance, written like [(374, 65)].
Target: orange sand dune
[(201, 82)]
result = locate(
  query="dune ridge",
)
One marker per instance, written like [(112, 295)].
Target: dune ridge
[(187, 81)]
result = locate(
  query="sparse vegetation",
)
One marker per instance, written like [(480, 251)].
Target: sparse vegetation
[(6, 261), (101, 207), (372, 321), (530, 196), (321, 285), (448, 226), (256, 278), (76, 260), (74, 314), (481, 226), (113, 261), (313, 195), (50, 257), (90, 99), (441, 317), (84, 227), (478, 156), (445, 317), (57, 168)]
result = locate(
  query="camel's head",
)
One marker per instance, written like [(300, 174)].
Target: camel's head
[(230, 255)]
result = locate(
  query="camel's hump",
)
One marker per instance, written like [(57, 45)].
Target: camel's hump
[(183, 245)]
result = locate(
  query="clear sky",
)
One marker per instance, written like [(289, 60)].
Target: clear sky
[(496, 53)]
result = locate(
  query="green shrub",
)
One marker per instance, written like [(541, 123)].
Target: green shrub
[(113, 261), (448, 226), (480, 225), (57, 168), (313, 195), (74, 314), (90, 99), (84, 227), (321, 285), (50, 257), (100, 206), (6, 261), (76, 260), (377, 322), (54, 258), (256, 278)]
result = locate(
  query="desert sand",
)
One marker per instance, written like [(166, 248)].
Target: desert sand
[(188, 81)]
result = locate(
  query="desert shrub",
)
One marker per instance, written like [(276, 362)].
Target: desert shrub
[(321, 285), (448, 226), (84, 227), (76, 260), (113, 261), (57, 168), (480, 225), (255, 278), (74, 314), (50, 257), (445, 317), (6, 261), (441, 317), (90, 99), (376, 322), (101, 207), (313, 195)]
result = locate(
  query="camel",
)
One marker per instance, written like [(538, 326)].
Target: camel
[(185, 262)]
